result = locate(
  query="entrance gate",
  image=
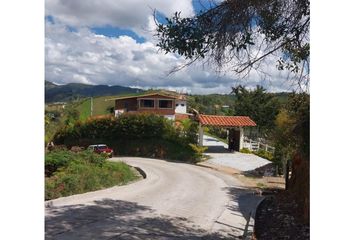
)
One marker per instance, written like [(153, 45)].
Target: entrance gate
[(235, 125), (234, 140)]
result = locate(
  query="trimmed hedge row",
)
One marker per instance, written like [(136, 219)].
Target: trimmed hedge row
[(145, 135)]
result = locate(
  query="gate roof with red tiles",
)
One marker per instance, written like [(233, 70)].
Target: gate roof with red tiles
[(226, 121)]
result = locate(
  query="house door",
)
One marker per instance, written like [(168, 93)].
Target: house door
[(234, 140)]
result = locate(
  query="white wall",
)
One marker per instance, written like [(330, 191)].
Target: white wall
[(170, 117), (179, 107), (242, 145)]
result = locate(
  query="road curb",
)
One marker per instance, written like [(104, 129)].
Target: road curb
[(142, 173)]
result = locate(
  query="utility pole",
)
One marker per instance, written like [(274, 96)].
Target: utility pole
[(137, 82), (91, 106)]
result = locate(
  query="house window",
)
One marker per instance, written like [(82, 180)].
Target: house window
[(165, 103), (182, 104), (147, 103), (176, 104)]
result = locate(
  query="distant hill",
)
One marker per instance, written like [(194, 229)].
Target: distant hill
[(71, 91)]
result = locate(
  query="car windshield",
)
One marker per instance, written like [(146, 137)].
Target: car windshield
[(102, 147)]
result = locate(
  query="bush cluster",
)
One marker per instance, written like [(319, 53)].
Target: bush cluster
[(217, 131), (146, 135), (70, 173), (264, 154), (261, 153)]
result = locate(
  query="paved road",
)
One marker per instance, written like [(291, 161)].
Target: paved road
[(175, 201), (219, 154)]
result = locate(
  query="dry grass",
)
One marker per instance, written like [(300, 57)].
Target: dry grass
[(249, 181)]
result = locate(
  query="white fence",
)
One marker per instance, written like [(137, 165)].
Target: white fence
[(257, 145)]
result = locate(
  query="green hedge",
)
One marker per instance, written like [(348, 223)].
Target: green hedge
[(145, 135), (261, 153), (81, 172)]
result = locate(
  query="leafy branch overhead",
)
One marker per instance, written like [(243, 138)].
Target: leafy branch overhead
[(242, 33)]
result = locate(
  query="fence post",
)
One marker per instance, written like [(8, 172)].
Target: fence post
[(266, 147)]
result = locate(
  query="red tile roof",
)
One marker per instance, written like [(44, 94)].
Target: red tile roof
[(226, 121)]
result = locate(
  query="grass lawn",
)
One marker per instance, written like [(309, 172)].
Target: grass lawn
[(84, 109), (100, 107)]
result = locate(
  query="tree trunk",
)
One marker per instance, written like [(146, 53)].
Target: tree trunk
[(299, 185)]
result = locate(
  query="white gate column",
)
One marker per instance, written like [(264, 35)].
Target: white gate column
[(241, 137), (201, 133)]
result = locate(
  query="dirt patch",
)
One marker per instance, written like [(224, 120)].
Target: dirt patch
[(278, 217), (249, 180)]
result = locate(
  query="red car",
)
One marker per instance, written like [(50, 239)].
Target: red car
[(101, 148)]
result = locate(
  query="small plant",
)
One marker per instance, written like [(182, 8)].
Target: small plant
[(198, 151), (245, 150), (261, 153), (264, 154)]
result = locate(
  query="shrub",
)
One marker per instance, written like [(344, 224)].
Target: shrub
[(198, 151), (189, 130), (216, 131), (264, 154), (57, 159), (261, 153), (83, 172), (245, 150)]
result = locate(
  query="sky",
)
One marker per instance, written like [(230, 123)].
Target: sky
[(112, 42)]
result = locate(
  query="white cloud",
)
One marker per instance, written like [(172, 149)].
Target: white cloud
[(85, 57), (128, 14), (89, 58)]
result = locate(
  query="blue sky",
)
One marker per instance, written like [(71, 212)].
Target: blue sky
[(112, 42)]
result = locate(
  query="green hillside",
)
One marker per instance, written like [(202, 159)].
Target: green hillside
[(101, 106), (74, 91)]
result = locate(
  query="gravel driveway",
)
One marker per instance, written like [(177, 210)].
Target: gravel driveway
[(175, 201), (219, 154)]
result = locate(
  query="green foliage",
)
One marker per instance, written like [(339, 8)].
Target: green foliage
[(218, 132), (261, 153), (134, 134), (72, 115), (245, 150), (228, 30), (189, 131), (62, 158), (259, 105), (82, 172), (198, 151), (291, 133), (74, 91), (264, 154), (57, 159), (213, 104), (84, 109)]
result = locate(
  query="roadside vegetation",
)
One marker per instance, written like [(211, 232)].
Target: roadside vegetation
[(57, 116), (69, 173), (217, 132), (261, 153), (143, 135)]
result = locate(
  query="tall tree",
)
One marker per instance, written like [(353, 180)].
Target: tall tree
[(243, 34), (261, 106)]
